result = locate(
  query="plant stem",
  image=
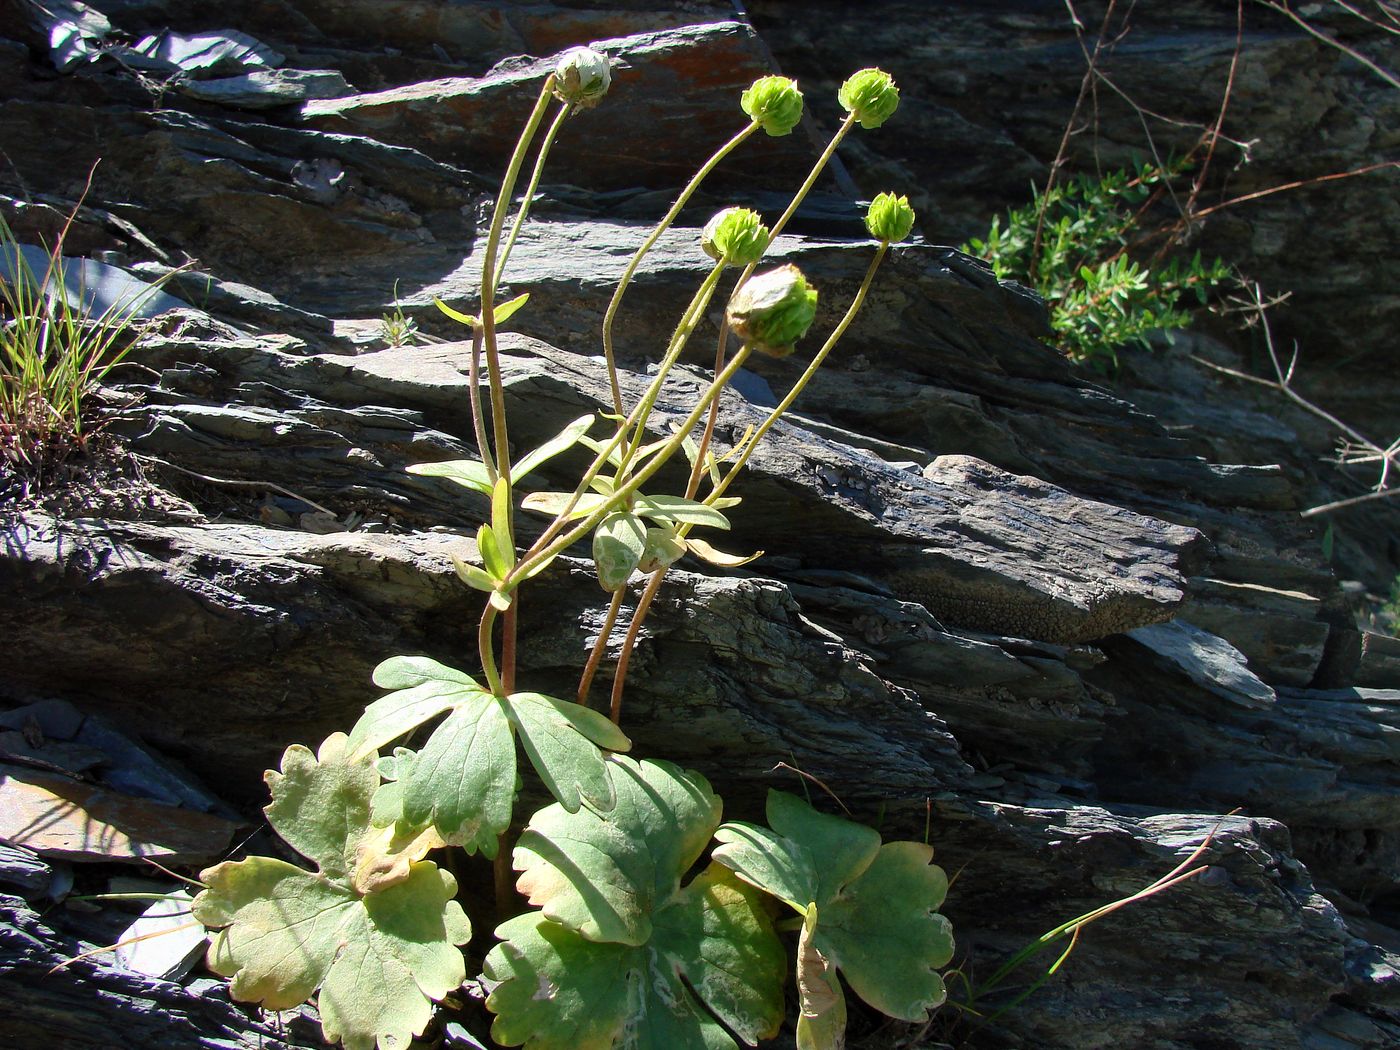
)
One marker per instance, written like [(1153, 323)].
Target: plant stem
[(689, 319), (630, 643), (637, 422), (508, 622), (483, 443), (488, 278), (486, 646), (537, 558), (521, 215), (806, 376), (647, 245), (595, 657)]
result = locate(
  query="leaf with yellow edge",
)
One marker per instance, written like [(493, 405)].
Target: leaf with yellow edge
[(623, 955), (879, 924), (376, 942)]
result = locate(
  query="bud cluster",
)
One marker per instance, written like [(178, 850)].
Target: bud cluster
[(582, 77), (889, 218), (773, 310), (735, 236), (871, 95), (774, 104)]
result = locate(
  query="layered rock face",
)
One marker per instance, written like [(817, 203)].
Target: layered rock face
[(1000, 602)]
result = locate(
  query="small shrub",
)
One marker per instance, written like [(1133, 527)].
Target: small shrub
[(1078, 245)]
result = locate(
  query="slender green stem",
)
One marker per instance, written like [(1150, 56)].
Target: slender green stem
[(483, 443), (538, 558), (806, 376), (488, 278), (689, 319), (486, 645), (697, 469), (524, 212), (647, 245), (679, 338)]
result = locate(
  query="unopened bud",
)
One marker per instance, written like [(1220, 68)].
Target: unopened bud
[(774, 104), (871, 95), (889, 218), (773, 310), (735, 236), (582, 77)]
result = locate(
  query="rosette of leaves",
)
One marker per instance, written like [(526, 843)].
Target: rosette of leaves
[(869, 912), (621, 953), (463, 780), (373, 933)]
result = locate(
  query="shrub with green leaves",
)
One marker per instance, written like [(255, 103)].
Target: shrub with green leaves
[(625, 943), (1080, 245)]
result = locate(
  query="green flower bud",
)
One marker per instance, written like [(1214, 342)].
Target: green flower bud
[(582, 77), (735, 236), (773, 310), (871, 96), (889, 218), (774, 103)]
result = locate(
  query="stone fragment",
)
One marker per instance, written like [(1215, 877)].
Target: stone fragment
[(55, 816)]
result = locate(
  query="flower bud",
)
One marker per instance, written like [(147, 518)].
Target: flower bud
[(582, 77), (871, 95), (735, 236), (889, 218), (774, 104), (773, 310)]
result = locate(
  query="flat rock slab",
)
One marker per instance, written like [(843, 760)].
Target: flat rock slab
[(673, 101), (56, 816)]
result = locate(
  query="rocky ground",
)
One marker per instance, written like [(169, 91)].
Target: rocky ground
[(1065, 625)]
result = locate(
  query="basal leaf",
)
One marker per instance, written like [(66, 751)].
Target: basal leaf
[(320, 803), (422, 688), (606, 876), (382, 985), (712, 957), (885, 936), (562, 741), (618, 544), (468, 473), (877, 904), (280, 928), (378, 937), (558, 444), (463, 780), (679, 510)]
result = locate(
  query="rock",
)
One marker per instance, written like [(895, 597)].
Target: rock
[(1206, 660), (95, 998), (25, 871), (686, 78), (56, 816), (268, 89), (165, 941), (202, 55)]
